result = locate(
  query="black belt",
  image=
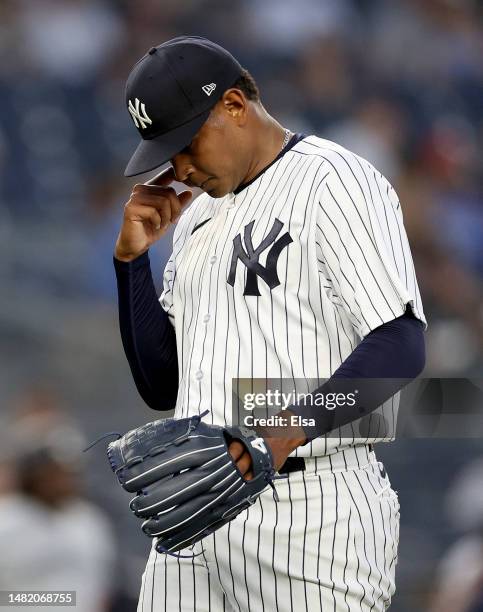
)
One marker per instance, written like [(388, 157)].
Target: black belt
[(297, 464), (292, 464)]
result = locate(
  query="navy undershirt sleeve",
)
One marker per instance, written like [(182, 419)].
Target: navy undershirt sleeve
[(147, 335), (393, 353)]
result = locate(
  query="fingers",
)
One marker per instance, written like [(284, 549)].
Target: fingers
[(163, 178), (184, 197), (168, 204), (236, 450), (157, 192), (145, 213), (242, 459), (160, 182), (244, 464)]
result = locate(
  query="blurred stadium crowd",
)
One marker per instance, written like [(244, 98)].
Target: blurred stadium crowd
[(399, 82)]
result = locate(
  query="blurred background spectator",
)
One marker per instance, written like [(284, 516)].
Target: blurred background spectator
[(399, 82), (51, 536)]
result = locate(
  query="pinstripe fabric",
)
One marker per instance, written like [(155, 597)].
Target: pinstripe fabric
[(330, 544), (347, 270)]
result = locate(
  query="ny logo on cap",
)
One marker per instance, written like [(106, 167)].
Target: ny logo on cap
[(209, 89), (138, 113)]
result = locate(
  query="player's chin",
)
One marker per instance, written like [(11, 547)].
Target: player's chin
[(215, 188), (216, 193)]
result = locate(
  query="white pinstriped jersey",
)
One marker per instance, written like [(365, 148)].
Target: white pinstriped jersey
[(323, 259)]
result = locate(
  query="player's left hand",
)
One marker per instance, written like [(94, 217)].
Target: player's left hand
[(174, 465), (281, 443)]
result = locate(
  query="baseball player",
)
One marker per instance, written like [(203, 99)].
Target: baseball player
[(293, 265)]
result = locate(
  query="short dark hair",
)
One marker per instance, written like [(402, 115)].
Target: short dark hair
[(247, 84)]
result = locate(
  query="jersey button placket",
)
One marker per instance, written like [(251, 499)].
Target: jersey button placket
[(198, 375)]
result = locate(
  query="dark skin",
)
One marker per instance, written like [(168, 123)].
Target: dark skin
[(236, 142)]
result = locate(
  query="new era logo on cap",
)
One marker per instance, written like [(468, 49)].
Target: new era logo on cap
[(139, 114), (209, 89)]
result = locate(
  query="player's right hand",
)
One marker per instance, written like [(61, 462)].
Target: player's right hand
[(151, 209)]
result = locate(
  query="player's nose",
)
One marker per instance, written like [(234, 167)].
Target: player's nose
[(182, 168)]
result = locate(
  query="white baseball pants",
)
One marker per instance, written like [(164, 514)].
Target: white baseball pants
[(329, 544)]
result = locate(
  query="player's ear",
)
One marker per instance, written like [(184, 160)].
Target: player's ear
[(235, 104)]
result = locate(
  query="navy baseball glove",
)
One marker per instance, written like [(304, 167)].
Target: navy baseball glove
[(186, 482)]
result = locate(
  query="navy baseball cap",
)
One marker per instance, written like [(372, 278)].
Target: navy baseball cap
[(170, 93)]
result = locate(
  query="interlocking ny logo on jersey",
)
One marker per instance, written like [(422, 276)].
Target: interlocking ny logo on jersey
[(139, 114), (250, 257)]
